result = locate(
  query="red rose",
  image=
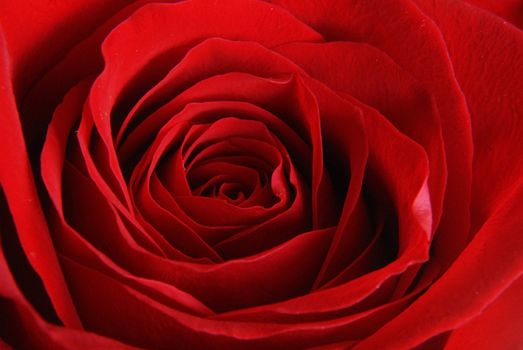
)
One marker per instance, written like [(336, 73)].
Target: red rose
[(248, 174)]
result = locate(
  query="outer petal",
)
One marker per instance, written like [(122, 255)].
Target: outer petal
[(489, 69), (499, 327), (491, 262), (18, 185), (22, 328), (47, 29)]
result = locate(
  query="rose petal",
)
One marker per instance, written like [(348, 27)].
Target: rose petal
[(373, 78), (47, 29), (53, 156), (489, 264), (495, 61), (22, 327), (499, 325), (22, 198), (418, 48)]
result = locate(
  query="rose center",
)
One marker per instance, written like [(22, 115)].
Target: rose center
[(235, 160)]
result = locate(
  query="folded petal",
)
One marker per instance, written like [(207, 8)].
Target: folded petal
[(486, 268)]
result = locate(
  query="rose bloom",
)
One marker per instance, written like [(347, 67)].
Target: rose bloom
[(247, 174)]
